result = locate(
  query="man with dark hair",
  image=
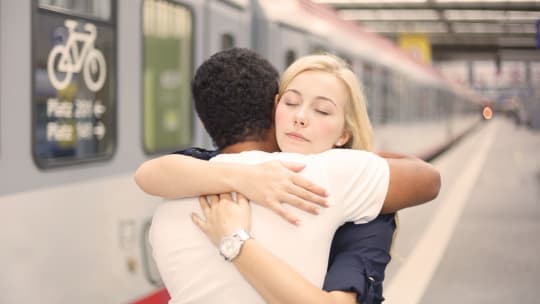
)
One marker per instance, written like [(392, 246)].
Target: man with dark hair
[(234, 92)]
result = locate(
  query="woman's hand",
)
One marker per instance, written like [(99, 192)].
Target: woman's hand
[(274, 183), (223, 216)]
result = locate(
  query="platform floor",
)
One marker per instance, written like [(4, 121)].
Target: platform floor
[(479, 241)]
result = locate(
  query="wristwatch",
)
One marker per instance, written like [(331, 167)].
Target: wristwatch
[(230, 246)]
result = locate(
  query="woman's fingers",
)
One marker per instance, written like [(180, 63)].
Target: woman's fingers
[(214, 198), (288, 216), (307, 197), (241, 199), (309, 190), (203, 202), (300, 203), (225, 196), (199, 222), (295, 167)]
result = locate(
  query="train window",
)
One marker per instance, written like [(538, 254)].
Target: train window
[(227, 41), (99, 9), (367, 84), (319, 49), (290, 57), (386, 105), (168, 69), (74, 87), (346, 58)]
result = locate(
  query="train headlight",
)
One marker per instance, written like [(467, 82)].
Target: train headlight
[(487, 113)]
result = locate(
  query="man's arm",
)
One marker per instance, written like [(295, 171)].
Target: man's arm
[(412, 182)]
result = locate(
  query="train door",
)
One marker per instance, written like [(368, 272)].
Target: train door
[(318, 44), (374, 84), (168, 53), (291, 44), (170, 50), (228, 25)]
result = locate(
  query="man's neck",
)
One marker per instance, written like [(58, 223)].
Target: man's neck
[(250, 145)]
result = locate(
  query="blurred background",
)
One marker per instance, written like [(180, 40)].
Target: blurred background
[(90, 89)]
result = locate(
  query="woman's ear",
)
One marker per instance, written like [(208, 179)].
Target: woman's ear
[(343, 139), (276, 100)]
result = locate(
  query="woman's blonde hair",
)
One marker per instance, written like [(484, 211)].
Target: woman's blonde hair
[(356, 116)]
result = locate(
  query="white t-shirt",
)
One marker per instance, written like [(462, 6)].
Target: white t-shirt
[(194, 272)]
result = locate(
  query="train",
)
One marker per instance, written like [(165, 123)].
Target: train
[(91, 89)]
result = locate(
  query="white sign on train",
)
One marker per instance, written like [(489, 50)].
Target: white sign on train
[(65, 60), (65, 131), (81, 108)]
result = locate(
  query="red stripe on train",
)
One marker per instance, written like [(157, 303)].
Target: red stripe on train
[(159, 297)]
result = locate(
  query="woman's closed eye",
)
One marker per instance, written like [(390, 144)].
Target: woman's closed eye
[(322, 112), (291, 103)]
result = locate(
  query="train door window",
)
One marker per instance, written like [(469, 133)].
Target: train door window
[(227, 41), (100, 9), (319, 49), (290, 57), (74, 81), (346, 58), (168, 69), (386, 105), (367, 84)]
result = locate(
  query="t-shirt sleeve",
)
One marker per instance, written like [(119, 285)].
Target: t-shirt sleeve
[(359, 182)]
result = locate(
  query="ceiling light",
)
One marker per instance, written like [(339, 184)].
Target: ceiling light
[(389, 14)]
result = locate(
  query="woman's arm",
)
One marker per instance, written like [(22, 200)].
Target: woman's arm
[(269, 184), (273, 279), (412, 182), (276, 282)]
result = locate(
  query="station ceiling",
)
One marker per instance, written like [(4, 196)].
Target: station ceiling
[(451, 25)]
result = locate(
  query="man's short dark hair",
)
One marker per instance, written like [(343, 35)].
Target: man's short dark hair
[(234, 92)]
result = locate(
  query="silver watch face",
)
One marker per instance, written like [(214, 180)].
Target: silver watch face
[(229, 247)]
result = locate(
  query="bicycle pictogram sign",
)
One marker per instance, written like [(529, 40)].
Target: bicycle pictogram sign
[(64, 60)]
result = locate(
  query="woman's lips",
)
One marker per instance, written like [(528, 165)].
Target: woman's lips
[(296, 136)]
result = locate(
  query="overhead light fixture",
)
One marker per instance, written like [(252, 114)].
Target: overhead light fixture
[(474, 15), (406, 27), (478, 28), (388, 14)]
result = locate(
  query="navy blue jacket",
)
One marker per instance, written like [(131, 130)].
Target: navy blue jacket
[(359, 253)]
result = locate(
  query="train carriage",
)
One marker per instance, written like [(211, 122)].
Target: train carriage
[(91, 89)]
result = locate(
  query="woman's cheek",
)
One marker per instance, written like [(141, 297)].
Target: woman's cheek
[(329, 129), (280, 118)]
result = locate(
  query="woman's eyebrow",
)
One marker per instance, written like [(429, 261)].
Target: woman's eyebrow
[(292, 90)]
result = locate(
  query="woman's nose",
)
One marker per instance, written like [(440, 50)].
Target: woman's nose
[(300, 118)]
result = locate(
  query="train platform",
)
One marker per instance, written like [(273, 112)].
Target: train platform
[(478, 242)]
